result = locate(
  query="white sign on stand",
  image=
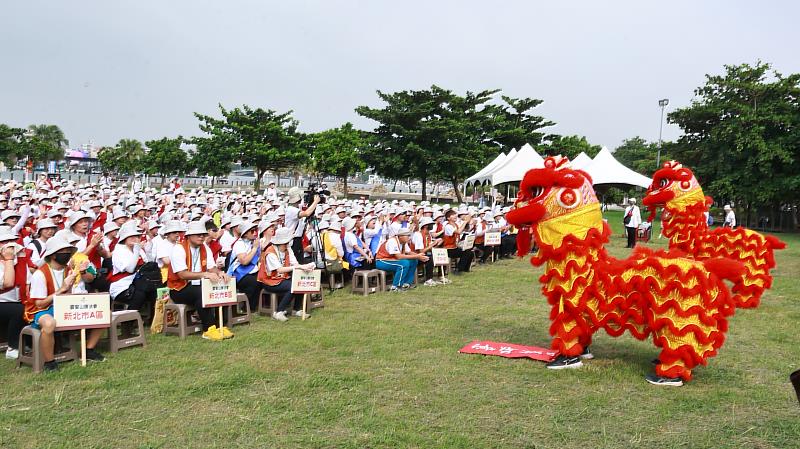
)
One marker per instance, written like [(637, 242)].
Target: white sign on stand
[(468, 242), (218, 294), (87, 311), (440, 257), (305, 283), (492, 239)]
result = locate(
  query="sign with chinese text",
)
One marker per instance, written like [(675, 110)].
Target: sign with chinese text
[(468, 242), (492, 239), (87, 311), (440, 257), (221, 294), (306, 281), (509, 350)]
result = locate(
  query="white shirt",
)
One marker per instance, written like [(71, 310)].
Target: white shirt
[(164, 249), (393, 246), (13, 294), (275, 261), (123, 259), (293, 221), (730, 219), (39, 284), (178, 260), (36, 255), (242, 246), (336, 241), (636, 218), (416, 240), (350, 242), (226, 241)]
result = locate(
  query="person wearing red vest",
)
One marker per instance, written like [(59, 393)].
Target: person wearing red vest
[(452, 232), (51, 279), (277, 263), (11, 308), (191, 262), (423, 243), (395, 255)]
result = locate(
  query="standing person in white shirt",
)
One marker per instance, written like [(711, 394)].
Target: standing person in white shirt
[(295, 218), (634, 219), (271, 193), (730, 217)]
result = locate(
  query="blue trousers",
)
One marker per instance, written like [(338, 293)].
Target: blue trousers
[(403, 270)]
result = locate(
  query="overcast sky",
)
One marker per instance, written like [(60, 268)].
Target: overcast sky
[(105, 70)]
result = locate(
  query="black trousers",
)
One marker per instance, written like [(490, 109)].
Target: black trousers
[(508, 245), (631, 232), (192, 295), (11, 314), (250, 286), (140, 294), (284, 290), (464, 258), (429, 270)]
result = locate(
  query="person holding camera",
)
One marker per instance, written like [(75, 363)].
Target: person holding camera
[(295, 218)]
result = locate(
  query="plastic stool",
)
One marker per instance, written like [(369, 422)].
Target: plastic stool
[(239, 313), (31, 354), (268, 303), (119, 338), (367, 281), (184, 326)]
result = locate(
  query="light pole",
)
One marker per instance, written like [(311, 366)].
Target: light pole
[(663, 103)]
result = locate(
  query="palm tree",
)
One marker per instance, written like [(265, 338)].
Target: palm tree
[(45, 143), (131, 152)]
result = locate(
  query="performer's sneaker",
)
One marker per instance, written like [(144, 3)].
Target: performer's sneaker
[(586, 354), (562, 362), (666, 381)]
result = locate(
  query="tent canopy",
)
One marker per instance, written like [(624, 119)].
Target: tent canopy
[(605, 169), (515, 168), (487, 171), (496, 162), (580, 161)]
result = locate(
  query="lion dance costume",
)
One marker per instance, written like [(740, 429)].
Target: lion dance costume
[(676, 189), (682, 303)]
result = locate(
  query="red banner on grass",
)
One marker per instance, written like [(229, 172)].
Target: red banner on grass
[(509, 350)]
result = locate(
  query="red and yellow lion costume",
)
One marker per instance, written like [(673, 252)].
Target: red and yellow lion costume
[(682, 303), (676, 189)]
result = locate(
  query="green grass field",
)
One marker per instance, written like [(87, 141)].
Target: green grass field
[(385, 372)]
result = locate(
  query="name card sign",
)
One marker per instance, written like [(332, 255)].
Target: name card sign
[(492, 239), (306, 281), (87, 311), (467, 243), (217, 295), (440, 257)]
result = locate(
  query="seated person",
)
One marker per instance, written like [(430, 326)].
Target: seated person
[(356, 252), (51, 279), (244, 262), (423, 243), (11, 309), (276, 273), (192, 261), (452, 233), (395, 255), (128, 256)]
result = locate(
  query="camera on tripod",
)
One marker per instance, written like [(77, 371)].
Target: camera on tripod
[(314, 189)]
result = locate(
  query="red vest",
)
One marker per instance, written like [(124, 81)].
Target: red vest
[(273, 278), (174, 282)]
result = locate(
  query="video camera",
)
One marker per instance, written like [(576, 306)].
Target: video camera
[(313, 189)]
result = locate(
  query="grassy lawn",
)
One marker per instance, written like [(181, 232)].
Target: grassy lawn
[(384, 371)]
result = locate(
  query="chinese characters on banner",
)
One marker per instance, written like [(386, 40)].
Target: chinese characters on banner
[(440, 257), (492, 239), (87, 311), (509, 350), (221, 294), (467, 243), (306, 281)]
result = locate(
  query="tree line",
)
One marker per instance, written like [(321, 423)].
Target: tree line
[(741, 136)]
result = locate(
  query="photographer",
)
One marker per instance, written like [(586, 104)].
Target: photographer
[(295, 219)]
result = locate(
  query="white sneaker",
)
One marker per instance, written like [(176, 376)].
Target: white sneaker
[(280, 316), (430, 283), (300, 313), (445, 281), (12, 354)]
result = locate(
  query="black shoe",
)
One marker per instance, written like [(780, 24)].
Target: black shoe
[(655, 361), (94, 356), (665, 381), (562, 362), (51, 366), (586, 354)]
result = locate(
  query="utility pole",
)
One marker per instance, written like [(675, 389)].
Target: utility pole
[(663, 103)]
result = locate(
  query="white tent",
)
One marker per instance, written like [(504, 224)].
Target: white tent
[(580, 161), (491, 166), (513, 169), (487, 174), (604, 169)]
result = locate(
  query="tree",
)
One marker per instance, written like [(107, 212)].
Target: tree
[(45, 143), (11, 143), (569, 146), (337, 152), (210, 158), (165, 157), (639, 155), (259, 138), (125, 157), (742, 137), (511, 125)]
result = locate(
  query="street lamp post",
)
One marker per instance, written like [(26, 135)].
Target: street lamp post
[(663, 103)]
